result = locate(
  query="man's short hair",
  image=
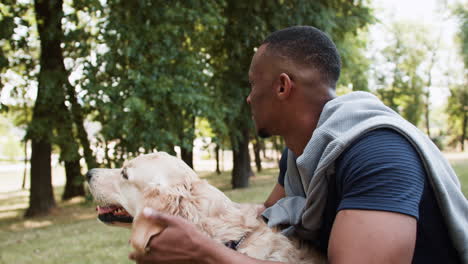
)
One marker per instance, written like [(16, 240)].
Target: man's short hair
[(308, 47)]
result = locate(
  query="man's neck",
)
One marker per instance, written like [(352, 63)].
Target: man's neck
[(297, 138), (300, 128)]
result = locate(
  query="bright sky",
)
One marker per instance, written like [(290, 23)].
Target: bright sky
[(421, 9), (432, 13)]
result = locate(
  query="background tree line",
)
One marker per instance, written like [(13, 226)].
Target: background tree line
[(146, 72)]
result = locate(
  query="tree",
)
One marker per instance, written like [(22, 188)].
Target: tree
[(457, 106), (48, 17), (404, 79), (150, 77), (257, 147), (355, 64), (432, 48), (248, 23), (18, 55), (53, 121), (18, 58)]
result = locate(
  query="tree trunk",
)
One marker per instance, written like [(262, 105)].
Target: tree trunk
[(78, 120), (257, 147), (264, 151), (241, 170), (464, 127), (222, 164), (428, 92), (186, 138), (276, 147), (25, 172), (218, 171), (69, 153), (50, 95), (74, 184), (41, 198), (427, 114), (65, 138), (187, 156)]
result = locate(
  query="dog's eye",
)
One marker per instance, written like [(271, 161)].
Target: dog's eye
[(124, 174)]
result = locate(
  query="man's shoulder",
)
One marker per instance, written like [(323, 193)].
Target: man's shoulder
[(381, 170), (378, 144)]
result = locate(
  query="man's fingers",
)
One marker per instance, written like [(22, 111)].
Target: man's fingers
[(132, 255), (139, 258)]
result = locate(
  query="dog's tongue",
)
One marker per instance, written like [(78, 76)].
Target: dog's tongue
[(105, 209)]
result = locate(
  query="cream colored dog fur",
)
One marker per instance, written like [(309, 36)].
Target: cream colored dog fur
[(166, 184)]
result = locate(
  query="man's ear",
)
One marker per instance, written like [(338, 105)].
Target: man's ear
[(285, 86)]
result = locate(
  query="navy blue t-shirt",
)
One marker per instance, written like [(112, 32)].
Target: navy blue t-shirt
[(382, 171)]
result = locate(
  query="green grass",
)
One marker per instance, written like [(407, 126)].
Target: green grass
[(260, 186), (461, 168), (71, 234)]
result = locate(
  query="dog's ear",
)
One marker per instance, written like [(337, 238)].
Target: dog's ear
[(166, 200), (143, 230)]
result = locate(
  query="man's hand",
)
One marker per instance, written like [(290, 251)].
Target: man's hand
[(181, 242), (177, 243), (276, 194)]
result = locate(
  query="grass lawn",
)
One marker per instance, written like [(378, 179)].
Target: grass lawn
[(461, 168), (71, 234)]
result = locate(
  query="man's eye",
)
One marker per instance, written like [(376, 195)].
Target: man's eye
[(124, 175)]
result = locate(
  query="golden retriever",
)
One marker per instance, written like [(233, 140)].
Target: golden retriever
[(166, 184)]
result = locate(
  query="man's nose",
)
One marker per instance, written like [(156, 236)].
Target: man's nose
[(248, 99)]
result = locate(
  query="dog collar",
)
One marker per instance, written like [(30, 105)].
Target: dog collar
[(234, 244)]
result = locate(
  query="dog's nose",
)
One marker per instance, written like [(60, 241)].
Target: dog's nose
[(89, 175)]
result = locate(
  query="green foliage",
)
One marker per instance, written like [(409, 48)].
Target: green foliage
[(18, 49), (354, 75), (457, 106), (403, 79), (462, 13), (249, 22), (457, 109), (150, 77), (150, 68)]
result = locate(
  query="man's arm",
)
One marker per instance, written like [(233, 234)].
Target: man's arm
[(366, 236), (380, 178), (180, 241), (278, 191), (276, 194)]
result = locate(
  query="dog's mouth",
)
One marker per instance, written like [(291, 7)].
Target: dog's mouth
[(113, 213)]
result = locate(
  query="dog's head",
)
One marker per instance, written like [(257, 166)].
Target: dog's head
[(159, 181), (122, 193), (166, 184)]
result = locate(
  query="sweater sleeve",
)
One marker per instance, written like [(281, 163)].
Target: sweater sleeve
[(381, 171)]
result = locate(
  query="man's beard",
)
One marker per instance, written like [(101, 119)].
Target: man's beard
[(263, 133)]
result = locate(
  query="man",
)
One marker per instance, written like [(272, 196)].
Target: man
[(362, 184)]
